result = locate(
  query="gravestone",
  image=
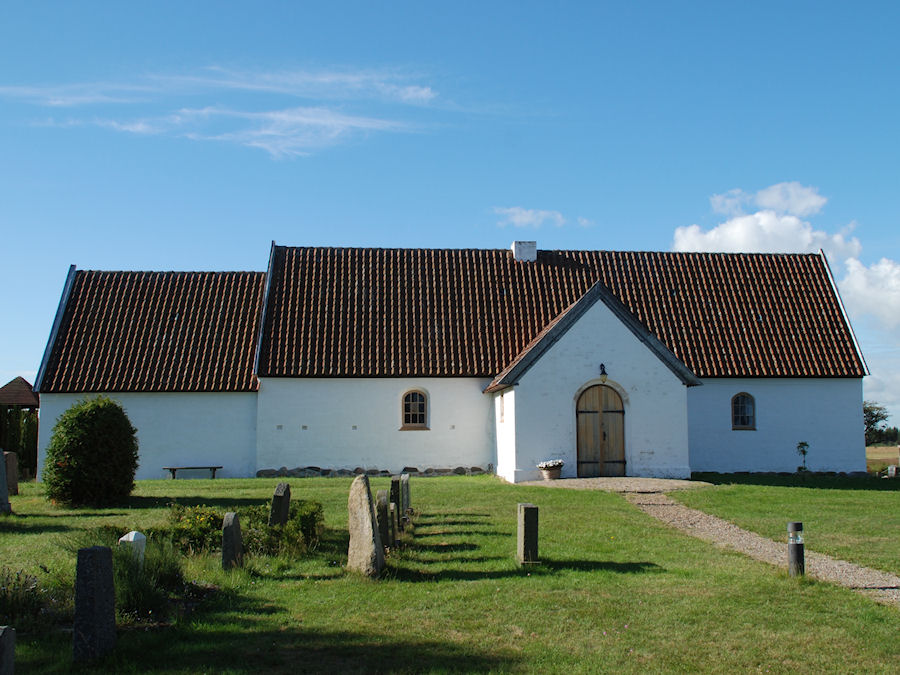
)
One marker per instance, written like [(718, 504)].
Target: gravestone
[(12, 472), (281, 505), (4, 491), (232, 542), (396, 498), (7, 650), (383, 512), (366, 552), (94, 630), (893, 471), (405, 506), (527, 537), (137, 542), (392, 517)]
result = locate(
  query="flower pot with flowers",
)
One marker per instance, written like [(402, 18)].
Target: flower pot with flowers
[(551, 468)]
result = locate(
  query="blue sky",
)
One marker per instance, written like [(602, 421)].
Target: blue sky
[(190, 135)]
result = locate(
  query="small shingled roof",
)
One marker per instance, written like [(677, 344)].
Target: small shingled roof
[(18, 392)]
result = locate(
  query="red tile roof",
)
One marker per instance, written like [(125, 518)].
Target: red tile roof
[(157, 331), (334, 312), (18, 392)]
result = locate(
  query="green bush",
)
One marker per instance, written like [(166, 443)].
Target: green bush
[(29, 605), (196, 528), (92, 455), (299, 535)]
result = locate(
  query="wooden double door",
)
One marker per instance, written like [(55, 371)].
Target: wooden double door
[(601, 432)]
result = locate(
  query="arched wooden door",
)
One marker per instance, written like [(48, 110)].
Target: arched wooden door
[(601, 432)]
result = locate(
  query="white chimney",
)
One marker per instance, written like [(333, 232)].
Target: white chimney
[(524, 251)]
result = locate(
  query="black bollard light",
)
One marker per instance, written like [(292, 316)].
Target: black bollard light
[(796, 562)]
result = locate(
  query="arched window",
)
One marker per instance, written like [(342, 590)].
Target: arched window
[(415, 410), (743, 411)]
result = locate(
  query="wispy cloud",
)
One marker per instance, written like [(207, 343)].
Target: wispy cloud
[(254, 116), (522, 217)]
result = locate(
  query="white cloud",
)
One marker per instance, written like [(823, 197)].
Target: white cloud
[(584, 222), (873, 290), (521, 217), (285, 130), (766, 232), (784, 198)]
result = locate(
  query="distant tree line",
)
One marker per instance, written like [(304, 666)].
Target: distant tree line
[(875, 416), (18, 434)]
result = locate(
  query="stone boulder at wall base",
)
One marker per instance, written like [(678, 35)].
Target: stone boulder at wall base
[(366, 552)]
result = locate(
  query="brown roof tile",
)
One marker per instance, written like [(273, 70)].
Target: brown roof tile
[(18, 391), (342, 312), (157, 331)]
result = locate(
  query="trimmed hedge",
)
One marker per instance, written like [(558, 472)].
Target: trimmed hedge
[(92, 456)]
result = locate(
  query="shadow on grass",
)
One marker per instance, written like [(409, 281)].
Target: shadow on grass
[(243, 635), (642, 567), (807, 480), (13, 527), (542, 568), (220, 502), (462, 532), (446, 517)]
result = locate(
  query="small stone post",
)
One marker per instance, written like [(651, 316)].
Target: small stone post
[(527, 539), (796, 558), (7, 650), (392, 516), (232, 542), (12, 472), (406, 507), (366, 552), (281, 505), (397, 499), (384, 527), (5, 506), (137, 542), (94, 631)]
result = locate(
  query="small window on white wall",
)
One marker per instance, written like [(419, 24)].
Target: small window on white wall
[(743, 412), (415, 410)]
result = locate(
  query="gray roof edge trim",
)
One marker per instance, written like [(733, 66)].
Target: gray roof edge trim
[(54, 330), (264, 312), (599, 292), (846, 316)]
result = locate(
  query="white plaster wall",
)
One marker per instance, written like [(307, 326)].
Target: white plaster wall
[(826, 413), (356, 423), (505, 416), (176, 429), (655, 401)]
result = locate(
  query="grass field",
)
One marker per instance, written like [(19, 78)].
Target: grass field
[(853, 519), (615, 592), (879, 456)]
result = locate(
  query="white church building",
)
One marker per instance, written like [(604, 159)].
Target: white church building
[(618, 363)]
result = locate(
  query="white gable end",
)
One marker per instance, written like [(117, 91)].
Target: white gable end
[(544, 414)]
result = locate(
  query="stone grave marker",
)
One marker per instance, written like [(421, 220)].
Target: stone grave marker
[(4, 490), (137, 542), (396, 498), (406, 506), (12, 472), (7, 650), (527, 538), (392, 517), (366, 552), (94, 631), (383, 512), (281, 505), (232, 542)]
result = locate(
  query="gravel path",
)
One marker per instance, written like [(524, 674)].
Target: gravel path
[(880, 586), (646, 494)]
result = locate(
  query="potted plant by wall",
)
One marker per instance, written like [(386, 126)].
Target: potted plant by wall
[(551, 468)]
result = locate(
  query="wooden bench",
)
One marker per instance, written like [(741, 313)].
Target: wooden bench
[(174, 469)]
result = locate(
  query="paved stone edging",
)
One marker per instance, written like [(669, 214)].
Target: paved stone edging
[(880, 586)]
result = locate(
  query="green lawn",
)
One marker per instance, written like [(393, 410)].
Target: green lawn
[(856, 519), (616, 592)]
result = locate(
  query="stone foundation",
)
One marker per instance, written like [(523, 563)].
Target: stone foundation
[(315, 471)]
